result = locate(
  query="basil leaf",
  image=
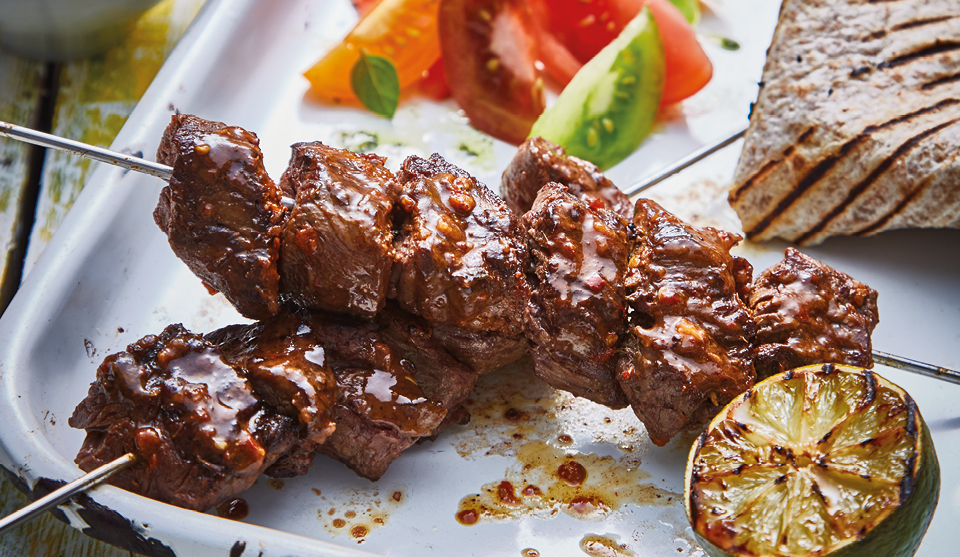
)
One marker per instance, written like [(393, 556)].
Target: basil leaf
[(374, 81)]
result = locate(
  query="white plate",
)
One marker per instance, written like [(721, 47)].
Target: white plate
[(109, 278)]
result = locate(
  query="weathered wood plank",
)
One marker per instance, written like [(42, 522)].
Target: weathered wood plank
[(20, 85), (46, 536), (94, 99)]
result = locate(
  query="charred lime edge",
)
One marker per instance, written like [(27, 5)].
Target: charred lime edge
[(885, 538)]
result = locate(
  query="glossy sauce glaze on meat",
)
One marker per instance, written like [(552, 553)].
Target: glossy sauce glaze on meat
[(441, 377), (200, 431), (577, 312), (809, 313), (221, 211), (689, 348), (539, 162), (460, 257), (337, 248), (286, 365), (380, 409)]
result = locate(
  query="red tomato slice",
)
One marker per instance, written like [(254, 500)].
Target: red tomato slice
[(558, 62), (364, 6), (433, 84), (489, 56), (586, 27), (688, 68)]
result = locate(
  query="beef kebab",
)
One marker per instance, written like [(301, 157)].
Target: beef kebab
[(687, 327), (208, 414)]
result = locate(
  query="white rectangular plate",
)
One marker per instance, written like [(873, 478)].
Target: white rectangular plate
[(109, 278)]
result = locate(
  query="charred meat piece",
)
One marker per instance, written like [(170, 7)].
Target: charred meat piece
[(337, 241), (285, 364), (200, 432), (577, 312), (809, 313), (688, 351), (460, 252), (380, 409), (539, 162), (221, 211)]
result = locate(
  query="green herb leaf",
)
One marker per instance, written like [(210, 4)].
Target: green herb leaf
[(374, 81)]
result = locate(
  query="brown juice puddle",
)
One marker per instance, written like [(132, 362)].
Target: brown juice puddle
[(549, 432), (596, 545), (359, 512), (546, 481), (234, 509)]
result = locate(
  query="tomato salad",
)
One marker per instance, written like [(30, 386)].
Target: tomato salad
[(495, 57)]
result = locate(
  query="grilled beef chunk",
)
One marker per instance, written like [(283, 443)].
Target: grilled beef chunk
[(482, 351), (539, 162), (809, 313), (337, 242), (577, 312), (200, 432), (286, 366), (460, 257), (688, 350), (380, 409), (221, 211), (440, 376)]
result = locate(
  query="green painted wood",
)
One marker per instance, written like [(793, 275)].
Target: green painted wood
[(95, 96), (20, 83)]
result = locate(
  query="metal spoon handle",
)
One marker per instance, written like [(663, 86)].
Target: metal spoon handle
[(60, 495)]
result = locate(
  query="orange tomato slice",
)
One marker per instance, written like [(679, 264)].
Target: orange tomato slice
[(403, 31)]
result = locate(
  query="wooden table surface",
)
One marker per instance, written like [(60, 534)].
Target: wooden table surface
[(87, 100)]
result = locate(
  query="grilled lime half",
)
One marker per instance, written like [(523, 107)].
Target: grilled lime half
[(822, 460)]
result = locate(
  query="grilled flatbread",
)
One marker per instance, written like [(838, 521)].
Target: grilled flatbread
[(857, 126)]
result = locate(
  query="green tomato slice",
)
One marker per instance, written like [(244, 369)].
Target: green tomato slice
[(690, 10), (610, 105)]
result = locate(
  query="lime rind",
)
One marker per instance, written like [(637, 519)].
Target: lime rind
[(854, 472)]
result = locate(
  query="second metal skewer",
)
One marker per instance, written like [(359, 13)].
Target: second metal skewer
[(60, 495)]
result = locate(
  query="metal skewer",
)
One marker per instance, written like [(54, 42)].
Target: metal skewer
[(84, 150), (60, 495), (100, 154), (163, 171), (685, 162)]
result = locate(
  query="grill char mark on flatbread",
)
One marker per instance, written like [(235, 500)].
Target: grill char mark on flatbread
[(921, 22), (941, 81), (771, 165), (828, 162), (896, 210), (938, 47), (872, 177)]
